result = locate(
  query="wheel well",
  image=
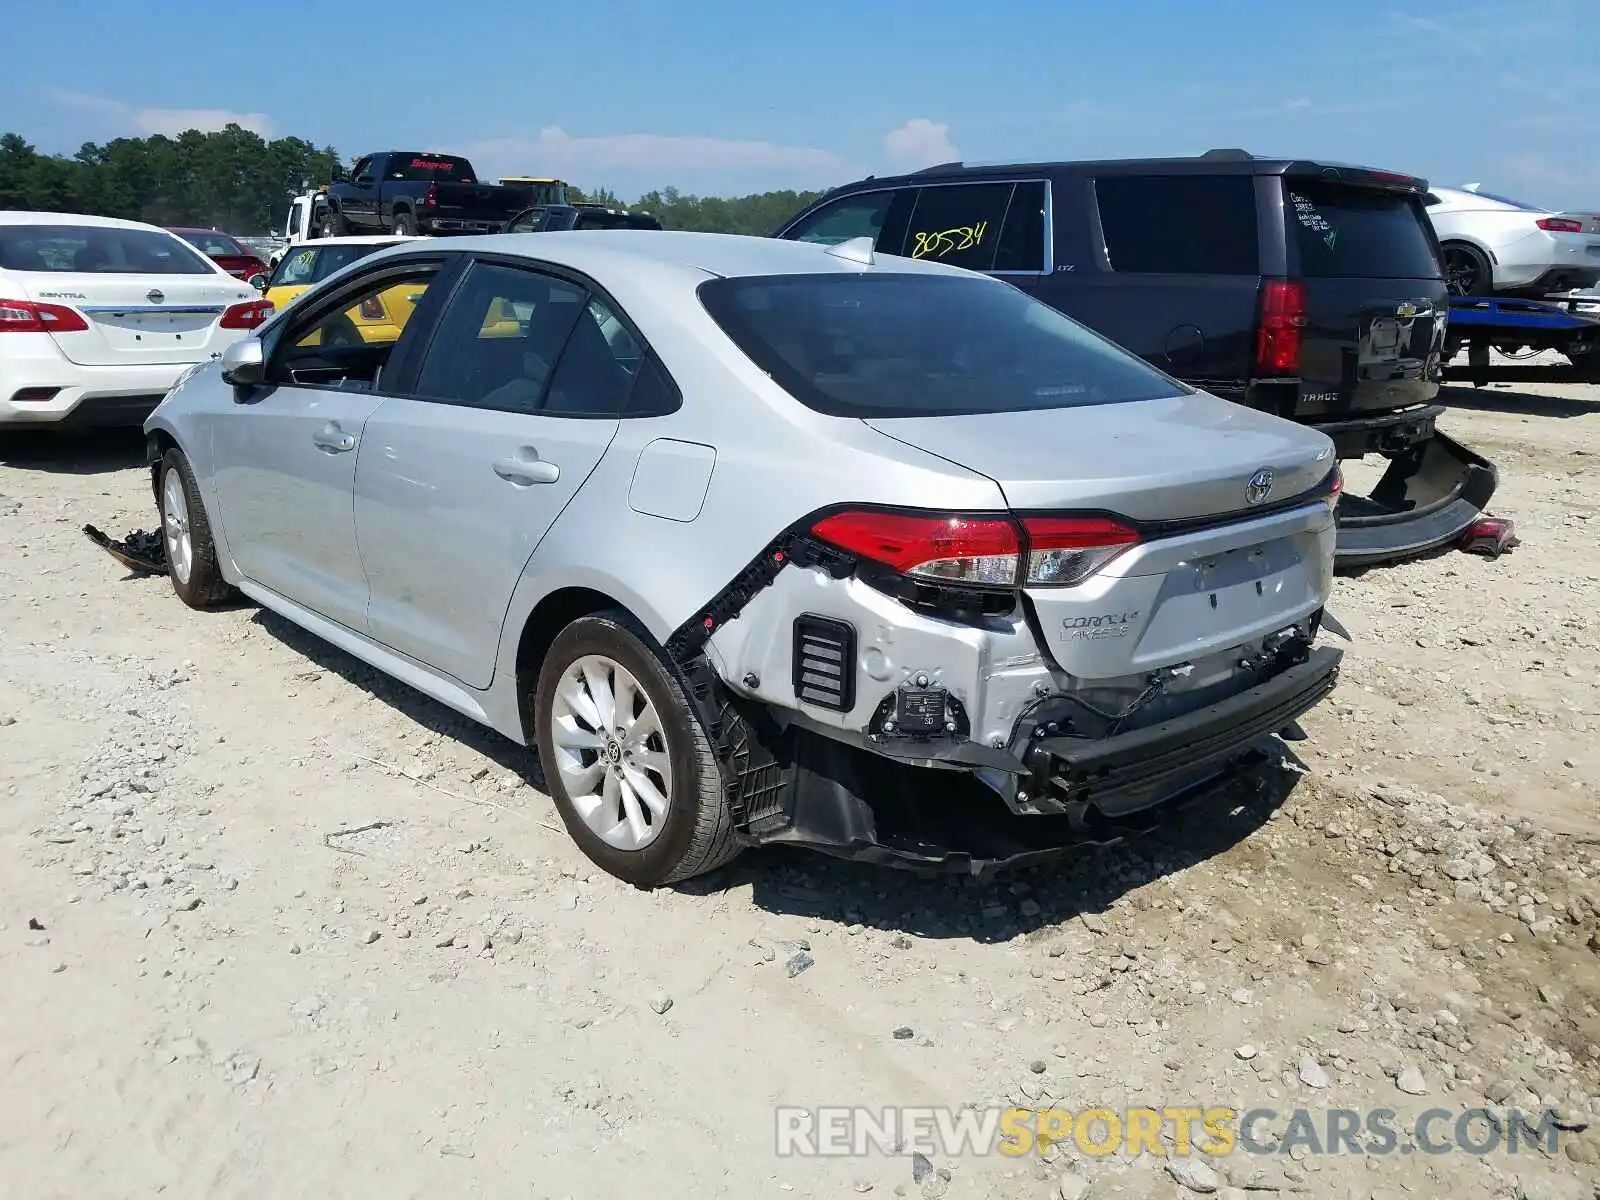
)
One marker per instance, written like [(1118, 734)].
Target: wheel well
[(155, 449), (548, 618)]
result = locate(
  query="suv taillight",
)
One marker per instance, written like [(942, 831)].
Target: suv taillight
[(1559, 225), (28, 316), (980, 551), (1282, 324)]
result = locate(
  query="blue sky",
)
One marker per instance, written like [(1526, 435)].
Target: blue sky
[(718, 97)]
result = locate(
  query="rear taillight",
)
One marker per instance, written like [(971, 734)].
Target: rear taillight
[(980, 551), (1283, 320), (1335, 488), (248, 314), (27, 316), (372, 308), (1559, 225), (430, 198)]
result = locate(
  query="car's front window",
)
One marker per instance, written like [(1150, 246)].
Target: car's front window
[(916, 345), (98, 250)]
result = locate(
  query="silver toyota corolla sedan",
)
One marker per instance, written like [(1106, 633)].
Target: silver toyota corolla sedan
[(766, 542)]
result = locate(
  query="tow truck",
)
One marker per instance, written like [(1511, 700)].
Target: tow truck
[(1568, 324)]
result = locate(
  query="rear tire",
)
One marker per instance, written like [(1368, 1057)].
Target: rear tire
[(186, 535), (405, 225), (1467, 270), (648, 805), (334, 225)]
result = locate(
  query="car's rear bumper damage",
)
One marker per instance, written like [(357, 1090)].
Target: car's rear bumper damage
[(952, 805), (1429, 496)]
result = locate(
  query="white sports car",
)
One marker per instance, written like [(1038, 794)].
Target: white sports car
[(1495, 245), (99, 317)]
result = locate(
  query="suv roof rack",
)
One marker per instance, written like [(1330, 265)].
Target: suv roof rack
[(1230, 155)]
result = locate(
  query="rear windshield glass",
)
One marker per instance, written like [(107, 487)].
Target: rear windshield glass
[(429, 166), (613, 220), (97, 250), (893, 345), (211, 242), (1358, 232), (312, 264)]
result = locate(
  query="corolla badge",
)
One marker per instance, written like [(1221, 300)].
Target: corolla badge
[(1259, 486)]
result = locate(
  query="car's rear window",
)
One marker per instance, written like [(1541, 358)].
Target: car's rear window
[(98, 250), (913, 345), (614, 220), (429, 166), (209, 241), (1362, 233)]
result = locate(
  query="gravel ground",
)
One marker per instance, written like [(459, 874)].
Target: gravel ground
[(274, 925)]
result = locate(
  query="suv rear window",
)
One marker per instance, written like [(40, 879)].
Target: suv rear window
[(1179, 224), (98, 250), (428, 166), (1354, 232), (913, 345)]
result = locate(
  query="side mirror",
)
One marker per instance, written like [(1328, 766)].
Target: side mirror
[(337, 174), (259, 282), (242, 364)]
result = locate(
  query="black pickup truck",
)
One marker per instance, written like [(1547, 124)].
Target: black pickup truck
[(409, 192)]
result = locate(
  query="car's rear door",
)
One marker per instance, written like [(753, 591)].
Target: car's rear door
[(508, 413), (1375, 297)]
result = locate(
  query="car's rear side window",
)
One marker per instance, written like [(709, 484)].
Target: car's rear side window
[(1179, 224), (98, 250), (1363, 233), (918, 345)]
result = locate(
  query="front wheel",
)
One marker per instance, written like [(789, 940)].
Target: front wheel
[(186, 535), (626, 760)]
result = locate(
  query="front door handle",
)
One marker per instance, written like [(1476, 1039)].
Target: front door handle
[(333, 439), (526, 467)]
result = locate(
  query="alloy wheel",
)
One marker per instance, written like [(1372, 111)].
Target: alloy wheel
[(175, 526)]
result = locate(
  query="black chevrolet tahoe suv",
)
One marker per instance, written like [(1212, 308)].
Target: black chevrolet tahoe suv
[(1311, 290)]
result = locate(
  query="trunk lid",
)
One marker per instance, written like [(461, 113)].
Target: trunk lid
[(139, 319), (1375, 299), (1176, 458)]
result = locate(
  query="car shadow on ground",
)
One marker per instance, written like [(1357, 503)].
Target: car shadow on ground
[(406, 700), (1510, 401), (1084, 882), (91, 452)]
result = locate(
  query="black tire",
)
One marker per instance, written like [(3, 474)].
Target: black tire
[(1466, 270), (697, 833), (204, 587), (405, 225), (334, 225)]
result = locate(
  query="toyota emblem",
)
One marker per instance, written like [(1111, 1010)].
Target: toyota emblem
[(155, 295), (1259, 487)]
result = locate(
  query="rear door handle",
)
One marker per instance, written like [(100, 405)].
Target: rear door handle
[(333, 439), (526, 468)]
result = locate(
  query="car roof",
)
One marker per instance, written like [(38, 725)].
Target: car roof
[(195, 229), (23, 217), (722, 254)]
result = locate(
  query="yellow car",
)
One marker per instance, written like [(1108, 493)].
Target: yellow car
[(377, 320)]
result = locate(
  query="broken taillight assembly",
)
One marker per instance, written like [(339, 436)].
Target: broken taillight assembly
[(980, 551), (1489, 536)]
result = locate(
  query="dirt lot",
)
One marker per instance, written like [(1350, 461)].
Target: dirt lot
[(275, 926)]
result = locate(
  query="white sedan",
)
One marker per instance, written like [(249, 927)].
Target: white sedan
[(99, 317)]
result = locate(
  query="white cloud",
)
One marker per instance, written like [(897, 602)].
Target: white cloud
[(553, 149), (920, 143), (170, 121)]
